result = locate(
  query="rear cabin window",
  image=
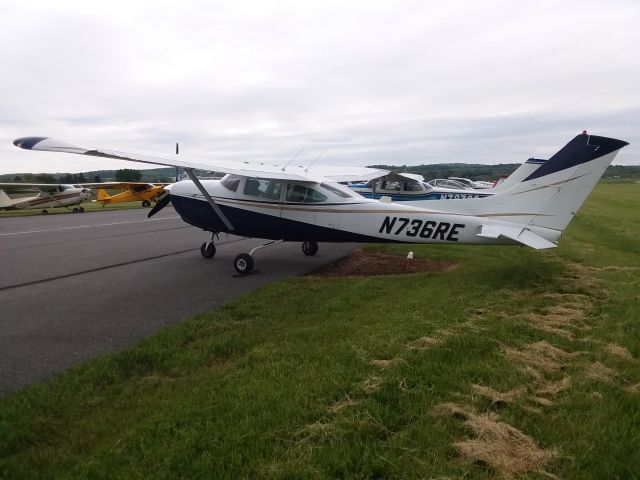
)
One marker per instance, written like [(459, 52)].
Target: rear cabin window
[(262, 188), (230, 182), (301, 194), (337, 191)]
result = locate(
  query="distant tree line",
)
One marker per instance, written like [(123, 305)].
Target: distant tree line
[(442, 170), (492, 172)]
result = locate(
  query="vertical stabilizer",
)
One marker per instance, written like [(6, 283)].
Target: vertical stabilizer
[(103, 197), (551, 195), (5, 200)]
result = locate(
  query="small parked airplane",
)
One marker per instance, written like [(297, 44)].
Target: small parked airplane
[(49, 195), (132, 191), (271, 202), (410, 187)]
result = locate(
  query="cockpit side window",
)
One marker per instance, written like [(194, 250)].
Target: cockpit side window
[(301, 194), (230, 182), (263, 188)]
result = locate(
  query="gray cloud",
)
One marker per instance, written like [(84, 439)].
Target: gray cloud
[(367, 82)]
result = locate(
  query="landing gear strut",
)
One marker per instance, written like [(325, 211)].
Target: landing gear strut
[(244, 262)]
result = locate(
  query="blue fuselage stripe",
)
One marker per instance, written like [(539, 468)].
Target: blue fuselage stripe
[(248, 223)]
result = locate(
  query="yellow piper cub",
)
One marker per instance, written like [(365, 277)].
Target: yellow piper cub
[(132, 191)]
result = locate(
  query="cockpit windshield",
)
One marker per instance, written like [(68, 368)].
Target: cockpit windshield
[(230, 182)]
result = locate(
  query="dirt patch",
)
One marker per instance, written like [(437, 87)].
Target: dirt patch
[(552, 388), (618, 351), (499, 398), (386, 363), (634, 388), (371, 384), (602, 373), (497, 444), (541, 355), (366, 263), (340, 405)]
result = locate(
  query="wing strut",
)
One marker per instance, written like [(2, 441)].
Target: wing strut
[(213, 204)]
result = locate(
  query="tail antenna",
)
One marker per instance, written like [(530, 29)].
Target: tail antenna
[(292, 159)]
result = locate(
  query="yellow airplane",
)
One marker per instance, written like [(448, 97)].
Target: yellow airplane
[(132, 191)]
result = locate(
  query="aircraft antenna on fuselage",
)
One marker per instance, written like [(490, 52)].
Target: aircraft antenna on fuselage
[(309, 166), (294, 157)]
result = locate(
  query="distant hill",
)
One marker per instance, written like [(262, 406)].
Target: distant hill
[(165, 174)]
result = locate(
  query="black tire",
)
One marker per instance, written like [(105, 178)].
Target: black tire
[(310, 248), (45, 212), (146, 203), (208, 251), (81, 209), (75, 209), (243, 263)]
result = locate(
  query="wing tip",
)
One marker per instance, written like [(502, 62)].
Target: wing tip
[(28, 143)]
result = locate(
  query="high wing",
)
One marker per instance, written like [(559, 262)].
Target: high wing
[(243, 168), (121, 185), (15, 188)]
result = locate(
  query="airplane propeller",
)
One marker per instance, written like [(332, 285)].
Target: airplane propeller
[(162, 202)]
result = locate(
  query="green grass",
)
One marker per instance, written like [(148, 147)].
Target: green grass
[(88, 207), (280, 383)]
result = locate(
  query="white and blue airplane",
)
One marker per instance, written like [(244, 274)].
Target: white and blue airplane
[(410, 187), (43, 196), (279, 204)]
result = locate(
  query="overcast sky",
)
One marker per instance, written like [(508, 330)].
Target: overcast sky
[(397, 82)]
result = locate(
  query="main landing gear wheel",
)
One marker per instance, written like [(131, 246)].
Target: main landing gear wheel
[(208, 250), (81, 209), (146, 203), (243, 263), (75, 209), (44, 212), (310, 248)]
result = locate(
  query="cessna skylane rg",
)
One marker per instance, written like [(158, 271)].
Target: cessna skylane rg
[(291, 204), (49, 195)]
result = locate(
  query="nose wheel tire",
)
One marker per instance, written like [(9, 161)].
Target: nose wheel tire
[(310, 248), (243, 263), (208, 251), (146, 203)]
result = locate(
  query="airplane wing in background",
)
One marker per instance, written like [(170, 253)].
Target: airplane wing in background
[(244, 168), (16, 188), (121, 185)]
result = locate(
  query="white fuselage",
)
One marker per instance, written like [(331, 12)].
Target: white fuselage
[(342, 218)]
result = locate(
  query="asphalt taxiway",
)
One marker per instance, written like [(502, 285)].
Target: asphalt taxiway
[(76, 286)]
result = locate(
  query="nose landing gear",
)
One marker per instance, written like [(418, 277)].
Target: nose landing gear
[(310, 248), (208, 249)]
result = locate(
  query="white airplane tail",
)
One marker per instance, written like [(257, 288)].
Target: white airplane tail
[(522, 172), (5, 200), (551, 195)]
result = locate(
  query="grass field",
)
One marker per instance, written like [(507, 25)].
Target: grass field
[(88, 206), (516, 363)]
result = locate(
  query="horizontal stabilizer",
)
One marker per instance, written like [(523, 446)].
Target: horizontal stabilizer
[(517, 234)]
